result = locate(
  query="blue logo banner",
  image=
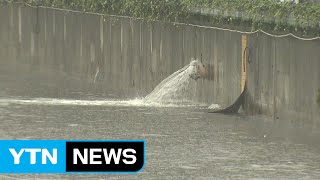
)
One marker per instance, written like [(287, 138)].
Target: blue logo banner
[(31, 156), (72, 156)]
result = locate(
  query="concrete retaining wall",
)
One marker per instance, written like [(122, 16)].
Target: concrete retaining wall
[(283, 78), (133, 56)]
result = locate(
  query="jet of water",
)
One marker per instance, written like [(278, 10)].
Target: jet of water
[(178, 87)]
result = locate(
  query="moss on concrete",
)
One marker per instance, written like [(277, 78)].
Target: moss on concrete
[(318, 100)]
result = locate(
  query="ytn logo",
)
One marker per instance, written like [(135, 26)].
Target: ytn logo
[(94, 156), (104, 156), (32, 152)]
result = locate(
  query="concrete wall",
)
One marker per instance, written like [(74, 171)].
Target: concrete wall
[(283, 79), (133, 56)]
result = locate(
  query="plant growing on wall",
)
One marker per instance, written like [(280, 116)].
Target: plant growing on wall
[(255, 14), (318, 100)]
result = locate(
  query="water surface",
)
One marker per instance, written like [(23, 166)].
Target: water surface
[(181, 141)]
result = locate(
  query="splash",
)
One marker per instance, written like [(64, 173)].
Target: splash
[(77, 102), (72, 102), (178, 88)]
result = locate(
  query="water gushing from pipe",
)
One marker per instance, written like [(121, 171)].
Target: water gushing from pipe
[(178, 88)]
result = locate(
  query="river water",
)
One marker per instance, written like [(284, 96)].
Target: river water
[(183, 141)]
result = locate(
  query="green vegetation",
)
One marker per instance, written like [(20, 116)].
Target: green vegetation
[(268, 15), (318, 100)]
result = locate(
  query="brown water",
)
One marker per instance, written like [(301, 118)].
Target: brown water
[(182, 141)]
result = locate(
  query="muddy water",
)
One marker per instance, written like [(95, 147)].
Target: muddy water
[(182, 141)]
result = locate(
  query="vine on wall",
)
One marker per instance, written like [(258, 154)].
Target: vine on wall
[(302, 18), (318, 100)]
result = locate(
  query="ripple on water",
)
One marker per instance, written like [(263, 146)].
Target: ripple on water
[(188, 167)]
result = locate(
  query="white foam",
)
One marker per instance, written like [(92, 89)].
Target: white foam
[(214, 107), (78, 102)]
